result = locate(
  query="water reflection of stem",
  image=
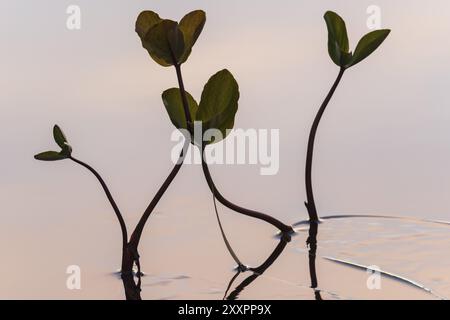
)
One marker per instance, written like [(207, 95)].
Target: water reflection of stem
[(312, 243), (258, 271), (238, 272), (132, 288)]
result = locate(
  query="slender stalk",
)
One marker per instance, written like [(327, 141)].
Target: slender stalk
[(110, 198), (310, 204), (184, 100), (130, 249), (136, 235), (254, 214), (227, 243)]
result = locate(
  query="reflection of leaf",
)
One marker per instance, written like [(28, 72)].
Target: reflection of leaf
[(368, 44), (174, 106), (49, 156)]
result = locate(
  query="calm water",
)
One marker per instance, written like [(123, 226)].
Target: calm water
[(185, 260)]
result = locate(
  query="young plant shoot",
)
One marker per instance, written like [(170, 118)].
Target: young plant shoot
[(338, 49), (170, 43)]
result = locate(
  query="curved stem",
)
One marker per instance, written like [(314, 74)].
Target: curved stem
[(137, 233), (310, 204), (136, 236), (254, 214), (110, 198), (184, 100)]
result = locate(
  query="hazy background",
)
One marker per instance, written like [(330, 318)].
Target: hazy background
[(383, 146)]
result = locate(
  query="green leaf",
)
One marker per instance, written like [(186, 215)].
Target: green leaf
[(59, 136), (338, 47), (50, 156), (174, 106), (219, 103), (145, 21), (191, 25), (66, 150), (165, 43), (368, 44)]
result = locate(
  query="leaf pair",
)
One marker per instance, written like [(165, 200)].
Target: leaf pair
[(338, 46), (60, 139), (217, 108), (169, 42)]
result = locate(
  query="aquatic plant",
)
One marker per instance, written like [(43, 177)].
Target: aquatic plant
[(338, 49), (170, 43)]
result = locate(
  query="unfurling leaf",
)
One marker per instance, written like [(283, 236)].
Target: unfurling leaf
[(168, 42), (368, 44), (60, 139), (49, 156), (59, 136), (66, 150), (338, 46)]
